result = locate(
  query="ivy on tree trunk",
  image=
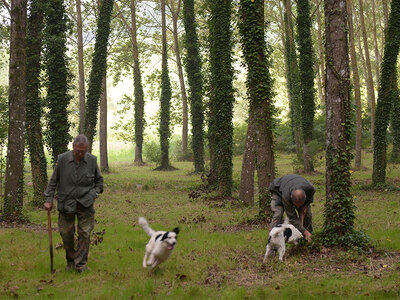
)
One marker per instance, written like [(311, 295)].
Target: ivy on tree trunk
[(195, 80), (387, 94), (58, 78), (221, 95), (259, 90), (34, 102), (99, 66)]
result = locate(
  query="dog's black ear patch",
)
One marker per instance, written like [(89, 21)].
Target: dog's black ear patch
[(176, 230), (279, 225), (165, 236), (158, 236), (287, 234)]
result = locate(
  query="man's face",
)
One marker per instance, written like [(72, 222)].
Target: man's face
[(79, 152), (299, 204)]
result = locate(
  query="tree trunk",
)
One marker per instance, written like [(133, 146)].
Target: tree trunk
[(103, 127), (293, 78), (246, 193), (385, 9), (395, 155), (321, 53), (175, 16), (58, 96), (307, 75), (99, 67), (221, 93), (356, 82), (165, 97), (139, 96), (33, 102), (81, 69), (259, 143), (13, 193), (339, 216), (378, 57), (195, 80), (387, 94), (369, 79)]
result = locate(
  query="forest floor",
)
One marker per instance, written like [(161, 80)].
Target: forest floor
[(220, 247)]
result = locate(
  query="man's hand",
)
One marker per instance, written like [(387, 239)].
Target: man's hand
[(308, 235), (48, 205)]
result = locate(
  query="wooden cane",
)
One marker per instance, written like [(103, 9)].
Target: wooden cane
[(50, 240)]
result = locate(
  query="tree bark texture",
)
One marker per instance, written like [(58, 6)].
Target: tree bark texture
[(34, 102), (103, 127), (369, 78), (246, 192), (293, 78), (13, 192), (356, 82), (139, 95), (388, 94), (307, 75), (165, 96), (81, 69), (175, 16), (337, 92), (378, 57), (195, 81), (321, 63), (260, 140)]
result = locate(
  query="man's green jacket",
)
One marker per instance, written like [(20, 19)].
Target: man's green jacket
[(74, 182)]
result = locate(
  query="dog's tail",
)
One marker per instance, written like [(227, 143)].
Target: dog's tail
[(146, 227), (278, 231)]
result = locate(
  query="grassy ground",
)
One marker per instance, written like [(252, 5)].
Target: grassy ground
[(219, 253)]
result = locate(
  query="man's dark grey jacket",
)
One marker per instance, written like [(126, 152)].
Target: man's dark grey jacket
[(74, 182)]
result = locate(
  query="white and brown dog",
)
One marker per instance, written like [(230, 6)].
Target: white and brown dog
[(160, 245), (278, 237)]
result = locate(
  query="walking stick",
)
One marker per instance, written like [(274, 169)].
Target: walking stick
[(50, 240)]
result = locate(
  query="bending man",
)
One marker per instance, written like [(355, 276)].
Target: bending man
[(292, 194)]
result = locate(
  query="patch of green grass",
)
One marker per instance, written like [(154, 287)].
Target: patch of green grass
[(218, 255)]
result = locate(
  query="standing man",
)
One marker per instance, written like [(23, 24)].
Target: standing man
[(78, 181), (292, 194)]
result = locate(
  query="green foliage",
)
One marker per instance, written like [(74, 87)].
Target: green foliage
[(125, 127), (387, 94), (99, 66), (352, 239), (220, 127), (193, 70), (152, 152), (58, 78), (239, 138)]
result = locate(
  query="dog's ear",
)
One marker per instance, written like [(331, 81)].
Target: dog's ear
[(287, 234), (165, 236), (176, 230)]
